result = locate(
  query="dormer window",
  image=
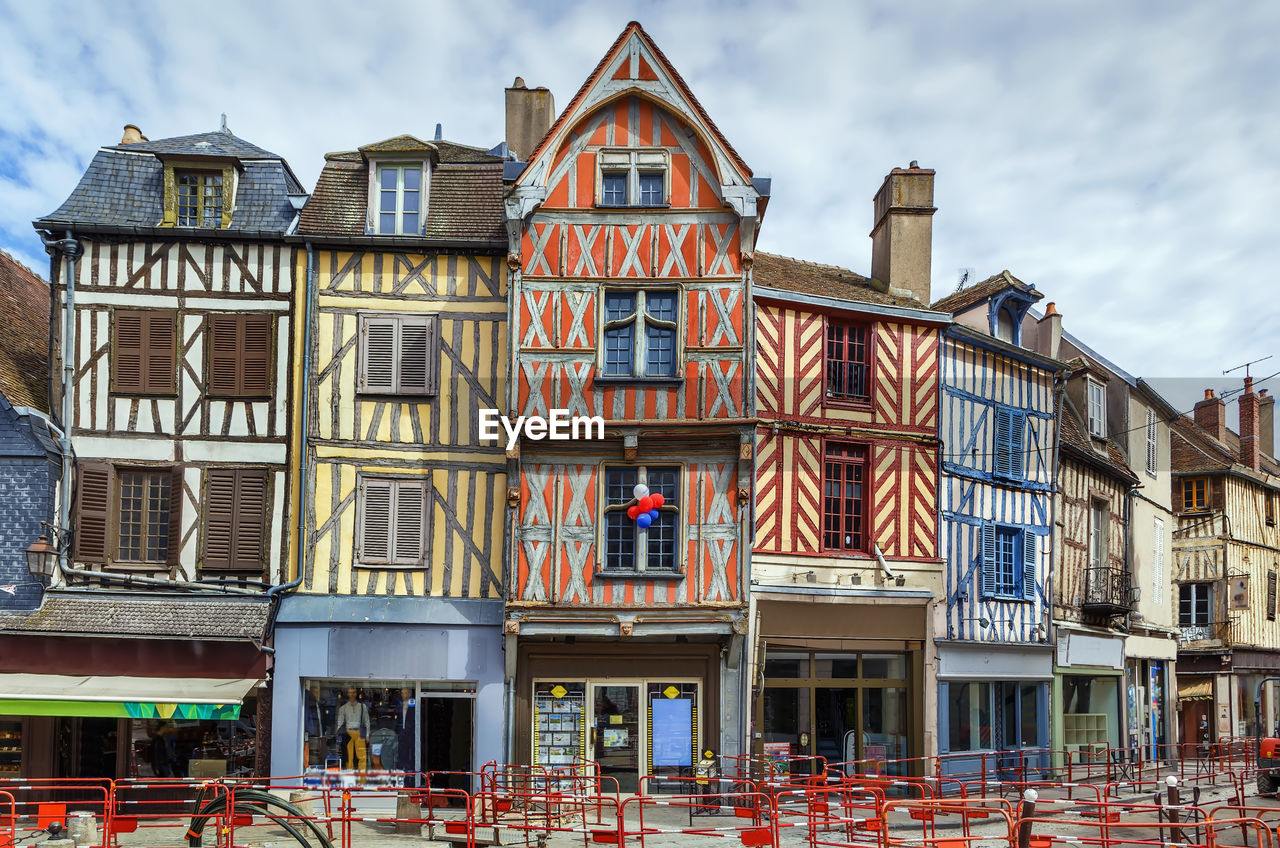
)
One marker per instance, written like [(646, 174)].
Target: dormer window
[(632, 178), (400, 199), (1004, 325), (199, 199), (1097, 409)]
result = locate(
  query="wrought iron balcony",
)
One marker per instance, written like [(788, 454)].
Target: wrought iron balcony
[(1213, 634), (1107, 591)]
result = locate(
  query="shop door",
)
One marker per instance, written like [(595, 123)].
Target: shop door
[(615, 733), (446, 742)]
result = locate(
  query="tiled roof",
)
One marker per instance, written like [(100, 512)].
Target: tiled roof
[(1075, 437), (978, 292), (464, 202), (783, 272), (675, 75), (91, 613), (124, 185), (24, 335), (1196, 450)]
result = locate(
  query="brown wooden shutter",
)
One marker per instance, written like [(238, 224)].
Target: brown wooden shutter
[(224, 354), (173, 553), (378, 355), (127, 351), (410, 523), (251, 520), (219, 518), (93, 511), (161, 352), (375, 524), (255, 373)]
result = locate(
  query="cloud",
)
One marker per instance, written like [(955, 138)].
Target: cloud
[(1118, 156)]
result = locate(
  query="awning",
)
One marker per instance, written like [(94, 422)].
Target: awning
[(1195, 689), (122, 697)]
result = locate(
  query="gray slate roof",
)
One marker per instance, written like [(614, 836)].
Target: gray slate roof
[(96, 613), (124, 186)]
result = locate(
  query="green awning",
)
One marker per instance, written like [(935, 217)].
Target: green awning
[(118, 709), (104, 696)]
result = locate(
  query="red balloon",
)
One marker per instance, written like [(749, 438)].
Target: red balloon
[(658, 499), (646, 503), (632, 512)]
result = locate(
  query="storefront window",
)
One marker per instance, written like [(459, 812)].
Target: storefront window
[(361, 725), (884, 666), (191, 748), (969, 716), (786, 665)]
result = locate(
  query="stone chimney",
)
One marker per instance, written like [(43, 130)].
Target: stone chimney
[(1267, 423), (1211, 414), (132, 135), (1250, 445), (529, 115), (1049, 332), (902, 238)]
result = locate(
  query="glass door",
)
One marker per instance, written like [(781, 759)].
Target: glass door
[(615, 733)]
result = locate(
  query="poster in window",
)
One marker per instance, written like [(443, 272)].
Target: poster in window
[(616, 737), (672, 731)]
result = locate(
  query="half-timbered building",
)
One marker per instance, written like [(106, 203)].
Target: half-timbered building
[(173, 334), (631, 228), (399, 608), (995, 657), (1226, 550)]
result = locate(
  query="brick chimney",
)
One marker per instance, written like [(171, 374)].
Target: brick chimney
[(132, 135), (1267, 423), (1211, 414), (1049, 332), (1250, 445), (529, 115), (902, 238)]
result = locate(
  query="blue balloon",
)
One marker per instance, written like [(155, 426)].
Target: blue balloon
[(643, 519), (653, 514)]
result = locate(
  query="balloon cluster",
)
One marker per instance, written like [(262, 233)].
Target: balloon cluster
[(645, 510)]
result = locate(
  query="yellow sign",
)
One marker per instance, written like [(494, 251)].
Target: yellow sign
[(615, 719), (671, 691), (559, 691)]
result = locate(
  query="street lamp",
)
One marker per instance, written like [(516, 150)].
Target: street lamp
[(42, 559)]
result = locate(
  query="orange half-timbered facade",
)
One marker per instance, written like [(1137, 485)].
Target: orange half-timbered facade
[(845, 560), (631, 228)]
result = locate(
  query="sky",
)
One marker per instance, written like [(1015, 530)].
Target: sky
[(1121, 157)]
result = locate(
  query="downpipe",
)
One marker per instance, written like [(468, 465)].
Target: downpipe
[(70, 250)]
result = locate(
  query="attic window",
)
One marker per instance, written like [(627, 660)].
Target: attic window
[(200, 199), (632, 178), (1004, 325), (1097, 410), (400, 199)]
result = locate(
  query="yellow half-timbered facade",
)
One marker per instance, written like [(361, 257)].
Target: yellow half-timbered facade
[(399, 604)]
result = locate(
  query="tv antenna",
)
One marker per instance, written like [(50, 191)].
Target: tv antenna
[(963, 277), (1247, 364)]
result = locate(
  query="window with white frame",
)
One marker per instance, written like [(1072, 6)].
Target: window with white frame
[(1195, 605), (632, 178), (628, 546), (641, 331), (1099, 549), (1153, 442), (393, 521), (399, 199), (1097, 409)]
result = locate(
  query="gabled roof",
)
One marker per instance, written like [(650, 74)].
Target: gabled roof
[(124, 186), (644, 73), (783, 272), (1196, 450), (24, 335), (978, 292), (464, 199), (1076, 441)]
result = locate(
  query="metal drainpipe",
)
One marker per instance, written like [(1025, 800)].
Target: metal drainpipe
[(70, 249), (1059, 389)]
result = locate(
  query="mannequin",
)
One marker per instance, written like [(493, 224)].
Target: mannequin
[(407, 730), (353, 718), (313, 726)]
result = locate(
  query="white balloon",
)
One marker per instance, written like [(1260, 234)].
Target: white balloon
[(640, 491)]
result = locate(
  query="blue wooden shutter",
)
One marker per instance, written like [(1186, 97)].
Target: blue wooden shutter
[(1030, 547), (988, 568), (1017, 450), (1003, 442)]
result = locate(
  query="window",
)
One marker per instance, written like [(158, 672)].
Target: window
[(1157, 561), (1008, 562), (400, 199), (398, 354), (641, 348), (235, 523), (1004, 325), (627, 546), (199, 199), (844, 499), (144, 349), (239, 355), (1099, 536), (1195, 494), (1153, 443), (127, 515), (393, 522), (1269, 508), (1010, 453), (633, 177), (1195, 604), (1271, 595), (848, 362), (1097, 410)]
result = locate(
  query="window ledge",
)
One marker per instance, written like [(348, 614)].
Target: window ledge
[(389, 566), (632, 205), (1009, 599), (847, 402), (639, 575), (156, 395), (390, 396), (623, 380), (245, 398)]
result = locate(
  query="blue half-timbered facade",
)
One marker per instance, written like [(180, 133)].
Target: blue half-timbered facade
[(996, 505)]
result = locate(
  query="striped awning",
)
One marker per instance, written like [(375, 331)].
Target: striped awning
[(1195, 689), (104, 696)]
